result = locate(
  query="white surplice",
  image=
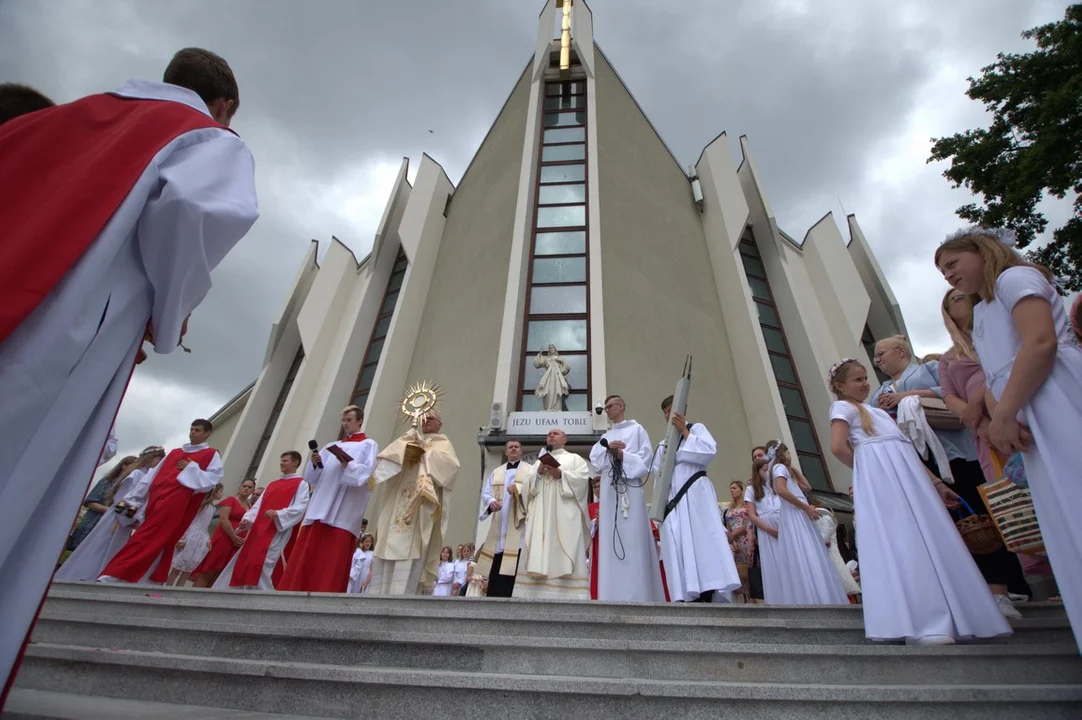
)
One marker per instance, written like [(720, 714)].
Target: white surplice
[(340, 492), (694, 544), (64, 370), (104, 541), (284, 521), (1054, 415), (552, 564), (192, 477), (628, 568)]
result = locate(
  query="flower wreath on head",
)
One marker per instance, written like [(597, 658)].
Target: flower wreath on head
[(1003, 235), (836, 367), (1006, 237)]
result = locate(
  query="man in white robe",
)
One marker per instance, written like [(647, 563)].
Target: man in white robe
[(699, 565), (323, 554), (553, 563), (502, 498), (269, 527), (148, 252), (415, 472), (628, 568)]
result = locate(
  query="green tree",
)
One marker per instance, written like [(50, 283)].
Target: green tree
[(1033, 146)]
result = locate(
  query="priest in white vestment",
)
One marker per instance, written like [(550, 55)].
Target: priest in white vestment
[(553, 564), (503, 498), (699, 565), (628, 568), (64, 366), (289, 496), (415, 471)]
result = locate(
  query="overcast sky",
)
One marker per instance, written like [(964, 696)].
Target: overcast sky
[(839, 99)]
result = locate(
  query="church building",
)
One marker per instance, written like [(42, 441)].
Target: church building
[(573, 226)]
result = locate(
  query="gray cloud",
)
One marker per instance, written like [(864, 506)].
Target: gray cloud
[(839, 100)]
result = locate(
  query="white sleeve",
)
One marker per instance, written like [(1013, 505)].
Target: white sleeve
[(749, 494), (357, 472), (195, 478), (637, 463), (253, 512), (294, 512), (109, 451), (1016, 283), (699, 448), (844, 411), (138, 494), (204, 204), (599, 457), (486, 496), (312, 474)]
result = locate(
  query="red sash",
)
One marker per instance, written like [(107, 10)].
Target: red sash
[(171, 507), (249, 566), (66, 170)]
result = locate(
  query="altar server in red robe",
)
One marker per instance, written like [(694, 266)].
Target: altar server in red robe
[(270, 525), (115, 208), (177, 487), (321, 560)]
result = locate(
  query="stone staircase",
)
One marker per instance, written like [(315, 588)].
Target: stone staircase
[(109, 651)]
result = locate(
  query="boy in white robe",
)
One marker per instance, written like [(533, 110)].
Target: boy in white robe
[(120, 232), (628, 568), (269, 527), (699, 565)]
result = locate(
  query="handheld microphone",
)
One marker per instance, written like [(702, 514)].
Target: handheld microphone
[(604, 443), (313, 446), (548, 449)]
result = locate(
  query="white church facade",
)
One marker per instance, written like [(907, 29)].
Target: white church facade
[(575, 226)]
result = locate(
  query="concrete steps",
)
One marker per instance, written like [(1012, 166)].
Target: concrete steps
[(342, 656)]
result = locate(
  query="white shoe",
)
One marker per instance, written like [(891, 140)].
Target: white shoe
[(931, 640), (1016, 598), (1007, 607)]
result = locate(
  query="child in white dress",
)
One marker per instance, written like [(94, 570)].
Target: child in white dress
[(360, 569), (195, 544), (445, 575), (918, 580), (827, 525), (1033, 368), (763, 509), (807, 573)]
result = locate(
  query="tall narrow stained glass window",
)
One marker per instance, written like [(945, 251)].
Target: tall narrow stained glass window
[(785, 373), (380, 328), (276, 411), (558, 298)]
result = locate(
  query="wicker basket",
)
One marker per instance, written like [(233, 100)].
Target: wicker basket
[(978, 532)]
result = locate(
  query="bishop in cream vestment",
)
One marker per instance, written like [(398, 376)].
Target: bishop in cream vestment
[(414, 471)]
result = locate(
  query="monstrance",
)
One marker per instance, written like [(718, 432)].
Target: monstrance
[(420, 401)]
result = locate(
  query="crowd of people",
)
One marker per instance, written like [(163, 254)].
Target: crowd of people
[(175, 192)]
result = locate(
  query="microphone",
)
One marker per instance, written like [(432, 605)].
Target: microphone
[(548, 448), (313, 446), (604, 443)]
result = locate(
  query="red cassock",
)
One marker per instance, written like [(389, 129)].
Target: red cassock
[(594, 509), (664, 582), (321, 560), (249, 566), (171, 507), (221, 547), (126, 135)]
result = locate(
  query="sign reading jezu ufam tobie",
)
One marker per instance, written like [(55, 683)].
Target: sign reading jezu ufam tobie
[(539, 423)]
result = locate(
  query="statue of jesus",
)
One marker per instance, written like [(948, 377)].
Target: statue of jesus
[(553, 387)]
